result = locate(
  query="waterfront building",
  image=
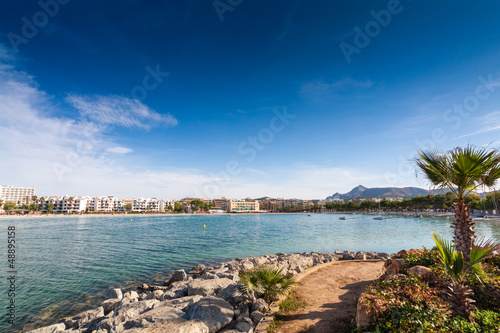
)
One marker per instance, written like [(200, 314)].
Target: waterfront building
[(118, 205), (277, 204), (65, 204), (140, 205), (243, 205), (108, 204), (187, 200), (18, 195), (207, 201), (127, 204), (153, 205), (221, 203), (165, 203)]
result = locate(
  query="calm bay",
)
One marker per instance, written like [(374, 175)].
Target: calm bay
[(68, 264)]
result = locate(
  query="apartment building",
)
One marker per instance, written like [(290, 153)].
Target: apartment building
[(277, 204), (65, 204), (165, 203), (221, 203), (16, 194), (243, 205), (140, 205)]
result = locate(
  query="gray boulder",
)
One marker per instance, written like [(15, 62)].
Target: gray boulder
[(173, 326), (259, 261), (116, 293), (256, 317), (242, 325), (231, 275), (213, 311), (347, 255), (179, 275), (155, 316), (130, 310), (157, 294), (209, 276), (198, 270), (180, 303), (50, 329), (83, 318), (382, 255), (260, 305), (132, 296), (360, 255), (242, 310), (176, 290), (207, 287), (233, 295), (110, 304)]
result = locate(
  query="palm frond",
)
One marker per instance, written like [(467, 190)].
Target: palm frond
[(484, 243), (477, 255), (446, 249)]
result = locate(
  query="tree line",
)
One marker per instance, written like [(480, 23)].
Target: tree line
[(424, 202)]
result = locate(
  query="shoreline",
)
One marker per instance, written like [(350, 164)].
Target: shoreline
[(494, 218), (147, 307), (137, 215)]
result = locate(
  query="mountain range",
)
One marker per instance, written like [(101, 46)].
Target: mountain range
[(380, 192)]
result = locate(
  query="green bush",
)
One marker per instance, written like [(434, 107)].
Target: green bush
[(415, 305)]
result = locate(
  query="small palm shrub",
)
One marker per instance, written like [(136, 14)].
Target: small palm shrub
[(457, 270), (267, 280)]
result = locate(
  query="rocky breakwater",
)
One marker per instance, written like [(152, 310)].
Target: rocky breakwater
[(205, 300)]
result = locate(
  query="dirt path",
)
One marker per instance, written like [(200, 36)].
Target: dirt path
[(330, 296)]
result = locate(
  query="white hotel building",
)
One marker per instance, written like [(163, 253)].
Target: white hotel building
[(16, 194), (151, 205), (67, 204)]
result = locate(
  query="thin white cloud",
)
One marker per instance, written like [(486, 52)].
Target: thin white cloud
[(60, 155), (489, 123), (120, 111), (320, 87), (258, 172), (119, 150)]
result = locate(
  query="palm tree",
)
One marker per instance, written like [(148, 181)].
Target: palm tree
[(461, 170), (1, 203), (70, 200), (42, 200)]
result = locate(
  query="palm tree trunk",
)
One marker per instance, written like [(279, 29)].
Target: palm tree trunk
[(464, 229)]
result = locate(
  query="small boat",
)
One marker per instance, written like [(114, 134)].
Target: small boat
[(308, 214), (342, 218), (418, 216)]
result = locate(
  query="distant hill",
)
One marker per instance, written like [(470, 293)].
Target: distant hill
[(376, 192)]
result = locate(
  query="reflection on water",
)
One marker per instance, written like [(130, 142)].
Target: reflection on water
[(68, 264)]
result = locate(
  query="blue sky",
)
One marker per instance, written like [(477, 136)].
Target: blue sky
[(240, 98)]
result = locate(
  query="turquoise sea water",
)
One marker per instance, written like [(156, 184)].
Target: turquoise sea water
[(67, 264)]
